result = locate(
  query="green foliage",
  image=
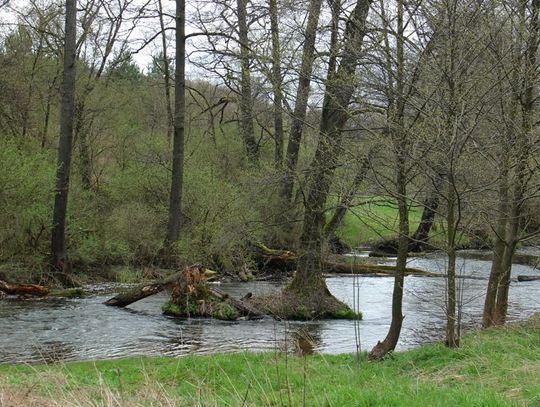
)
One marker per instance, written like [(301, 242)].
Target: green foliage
[(128, 275), (170, 308), (497, 367), (26, 196), (225, 312), (68, 293), (348, 313)]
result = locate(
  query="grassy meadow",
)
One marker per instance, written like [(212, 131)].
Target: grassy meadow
[(374, 218)]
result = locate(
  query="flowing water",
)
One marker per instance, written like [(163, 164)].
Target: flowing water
[(73, 329)]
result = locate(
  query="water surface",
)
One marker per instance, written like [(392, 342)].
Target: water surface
[(73, 329)]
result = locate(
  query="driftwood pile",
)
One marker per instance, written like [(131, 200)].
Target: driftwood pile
[(191, 296)]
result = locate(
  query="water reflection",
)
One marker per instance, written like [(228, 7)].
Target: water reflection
[(188, 338), (86, 329), (307, 339), (54, 351)]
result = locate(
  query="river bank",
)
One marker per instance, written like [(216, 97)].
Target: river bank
[(497, 367)]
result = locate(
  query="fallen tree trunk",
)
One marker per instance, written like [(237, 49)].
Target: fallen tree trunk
[(23, 289), (286, 260), (191, 296), (360, 268), (138, 293), (528, 278), (246, 309), (196, 273), (36, 290)]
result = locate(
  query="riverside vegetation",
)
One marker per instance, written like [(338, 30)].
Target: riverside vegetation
[(495, 367), (288, 134)]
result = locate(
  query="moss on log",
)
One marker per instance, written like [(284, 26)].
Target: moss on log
[(35, 290), (192, 297), (67, 293)]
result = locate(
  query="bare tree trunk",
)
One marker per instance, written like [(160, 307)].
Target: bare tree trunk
[(302, 94), (527, 101), (166, 74), (175, 202), (59, 262), (452, 340), (430, 206), (246, 100), (277, 83), (396, 116), (390, 341), (500, 240), (513, 224), (339, 90), (346, 201), (501, 305)]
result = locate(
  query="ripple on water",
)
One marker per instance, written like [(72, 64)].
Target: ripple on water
[(70, 329)]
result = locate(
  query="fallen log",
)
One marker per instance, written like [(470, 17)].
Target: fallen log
[(125, 298), (286, 260), (36, 290), (274, 259), (190, 297), (23, 289), (377, 269), (145, 290), (246, 309), (528, 278)]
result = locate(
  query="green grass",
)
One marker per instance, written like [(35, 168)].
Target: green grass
[(373, 219), (376, 218), (498, 367)]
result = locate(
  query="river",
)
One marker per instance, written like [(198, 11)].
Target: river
[(77, 329)]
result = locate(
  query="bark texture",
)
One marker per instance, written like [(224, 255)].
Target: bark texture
[(246, 100), (339, 89), (302, 94), (177, 182), (59, 262)]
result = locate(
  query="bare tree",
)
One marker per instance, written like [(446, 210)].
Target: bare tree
[(515, 153), (340, 87), (59, 262), (400, 146), (277, 84), (301, 101), (175, 204), (246, 100)]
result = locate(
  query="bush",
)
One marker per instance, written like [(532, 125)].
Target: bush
[(26, 197)]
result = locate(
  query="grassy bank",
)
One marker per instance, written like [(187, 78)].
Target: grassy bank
[(498, 367), (374, 218)]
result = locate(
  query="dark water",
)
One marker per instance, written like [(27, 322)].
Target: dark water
[(71, 329)]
